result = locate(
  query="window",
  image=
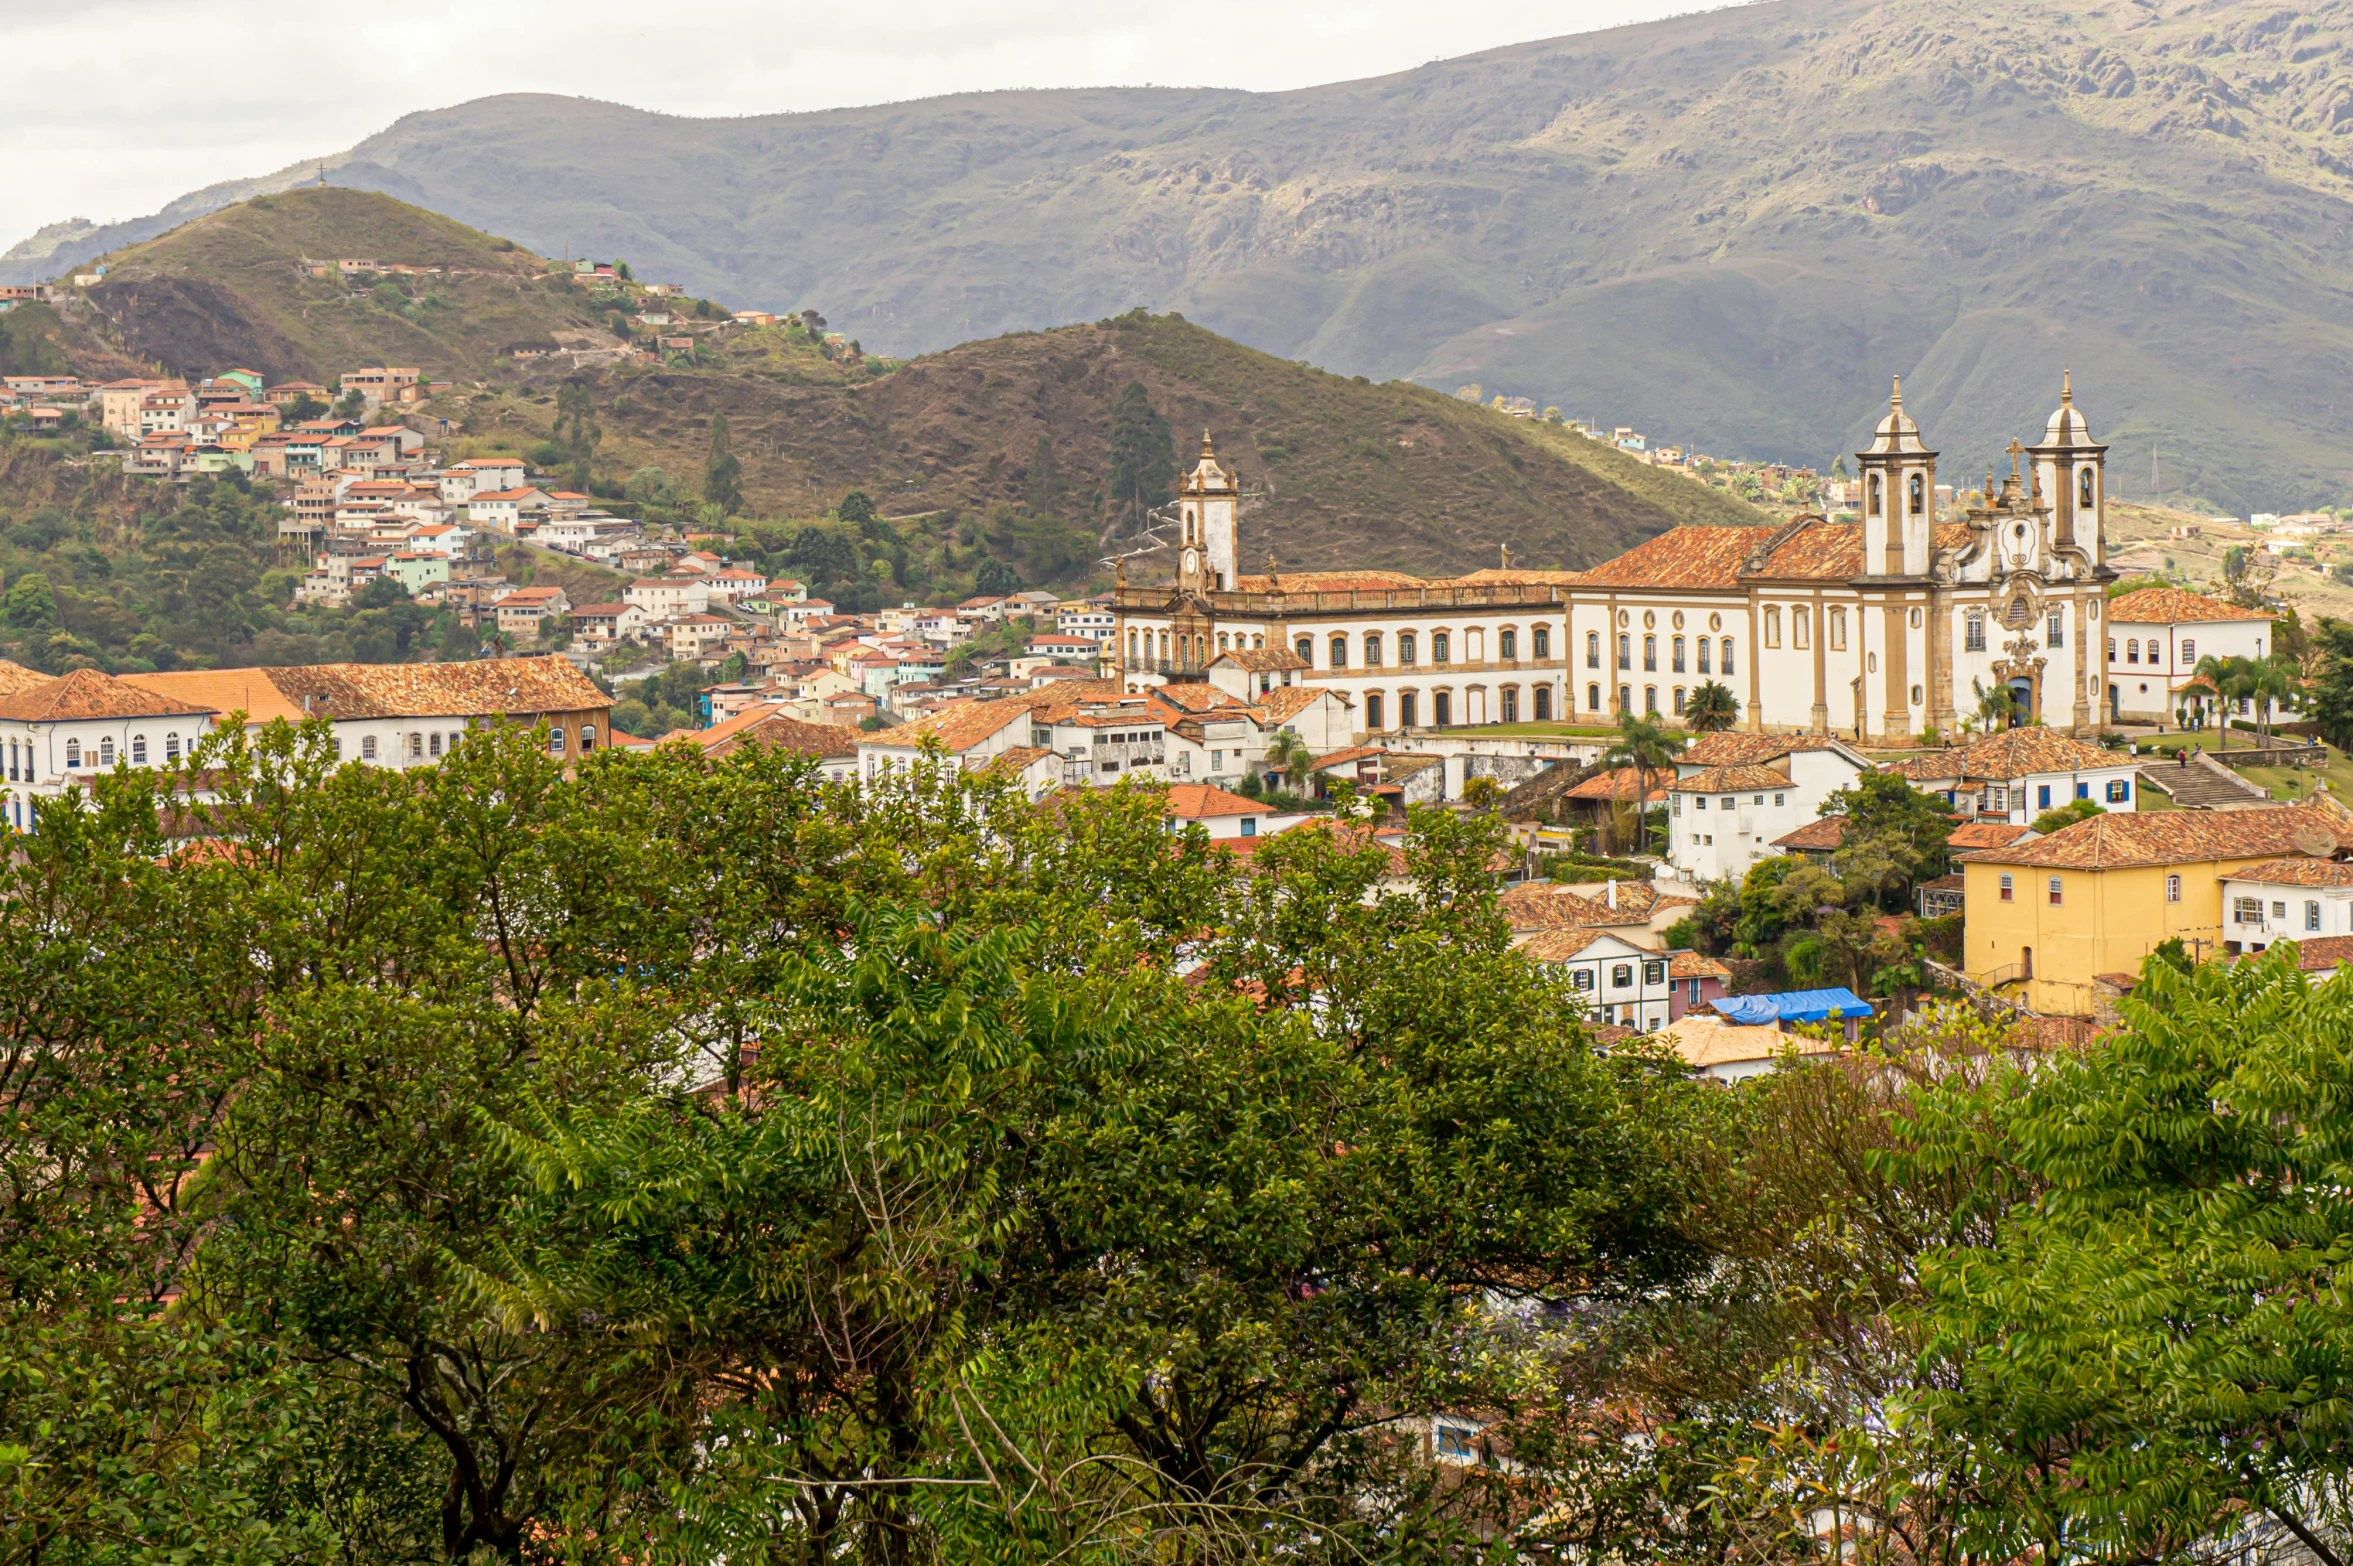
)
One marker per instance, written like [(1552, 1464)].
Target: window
[(1650, 655), (1675, 653), (1372, 720), (1441, 708), (1438, 650), (1405, 650), (1542, 637), (1973, 631), (1801, 627), (1699, 802), (1837, 630), (1507, 645), (12, 761), (433, 746), (1650, 700), (2055, 628), (2083, 791), (1543, 704), (1592, 697), (2132, 649), (2189, 653), (555, 742), (2119, 791), (1511, 704), (1407, 717), (1339, 652), (138, 750), (1621, 975), (1217, 758), (2083, 493), (1592, 649), (367, 747), (1583, 978), (2279, 911), (1372, 649), (1474, 645), (1919, 488), (106, 751), (1725, 665), (1678, 701), (1871, 502), (1654, 973), (1997, 797), (2246, 910), (1305, 648), (1772, 625), (1625, 651), (2173, 888), (416, 747), (1249, 826), (2009, 888), (171, 749), (1625, 698), (2056, 897), (1777, 799), (2312, 916)]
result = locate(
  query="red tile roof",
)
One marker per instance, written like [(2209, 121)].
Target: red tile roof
[(2172, 837), (1202, 801), (1815, 837), (1729, 780), (2297, 871), (1620, 785), (86, 693), (2174, 606)]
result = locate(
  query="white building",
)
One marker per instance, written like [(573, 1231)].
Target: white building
[(462, 481), (2156, 638), (1623, 984), (1733, 794), (668, 597), (59, 733), (2018, 774), (1224, 815), (2286, 900), (500, 508)]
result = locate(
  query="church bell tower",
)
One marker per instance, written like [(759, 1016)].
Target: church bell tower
[(1899, 494), (1207, 499)]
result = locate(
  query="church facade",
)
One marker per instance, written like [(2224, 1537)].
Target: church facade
[(1881, 629)]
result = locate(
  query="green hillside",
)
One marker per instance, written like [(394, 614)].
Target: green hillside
[(1727, 229)]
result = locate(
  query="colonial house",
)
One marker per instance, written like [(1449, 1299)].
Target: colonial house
[(1734, 794), (462, 481), (1222, 814), (605, 624), (769, 727), (667, 597), (2156, 638), (58, 733), (523, 612), (502, 508), (2017, 774), (2298, 898)]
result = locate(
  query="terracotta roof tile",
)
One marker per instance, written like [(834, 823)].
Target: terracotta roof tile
[(959, 725), (1815, 837), (2173, 837), (1724, 750), (1694, 965), (1565, 944), (2298, 871), (1729, 780), (766, 728), (1550, 905), (501, 687), (1261, 660), (1325, 581), (2322, 953), (1681, 557), (1983, 834), (15, 677), (1622, 784), (1495, 577), (250, 691), (86, 693), (2010, 755), (1201, 801), (2174, 606), (1286, 702)]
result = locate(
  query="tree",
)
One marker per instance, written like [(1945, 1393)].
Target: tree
[(1711, 708), (1649, 747), (1995, 708), (995, 576), (1143, 457), (380, 592), (576, 430), (30, 604), (1291, 756), (2331, 699), (1042, 484), (1899, 826), (856, 507), (650, 487), (722, 470), (2060, 817)]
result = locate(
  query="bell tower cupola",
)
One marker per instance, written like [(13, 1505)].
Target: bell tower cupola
[(2071, 470), (1899, 494), (1207, 499)]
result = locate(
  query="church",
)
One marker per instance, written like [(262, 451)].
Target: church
[(1881, 629)]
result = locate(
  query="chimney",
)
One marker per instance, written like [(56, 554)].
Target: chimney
[(1612, 895)]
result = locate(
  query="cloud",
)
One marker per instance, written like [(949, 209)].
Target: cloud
[(136, 102)]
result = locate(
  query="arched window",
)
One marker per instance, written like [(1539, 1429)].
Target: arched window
[(1372, 649), (1772, 625), (2132, 649), (1727, 659), (1801, 627), (1650, 700), (1919, 494), (433, 746), (1592, 649), (1650, 654), (1132, 654), (1543, 641), (555, 742), (1258, 643), (138, 750), (587, 738), (1339, 652), (1511, 704), (1305, 648), (1703, 655), (367, 747), (1838, 630), (1439, 654), (1675, 649), (1442, 709), (1592, 698), (1372, 712), (1221, 641), (1407, 715), (106, 751), (1872, 504), (1678, 701), (1507, 645), (1625, 651), (171, 748), (1543, 704), (73, 755), (1973, 631), (2083, 488), (1406, 652)]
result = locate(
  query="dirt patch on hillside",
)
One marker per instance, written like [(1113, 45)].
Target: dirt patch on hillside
[(195, 327)]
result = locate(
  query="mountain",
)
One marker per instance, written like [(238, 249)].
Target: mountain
[(1728, 229), (1345, 471)]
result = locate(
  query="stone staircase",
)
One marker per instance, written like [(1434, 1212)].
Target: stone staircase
[(2205, 784)]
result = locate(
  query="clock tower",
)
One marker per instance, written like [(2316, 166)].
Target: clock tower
[(1206, 502)]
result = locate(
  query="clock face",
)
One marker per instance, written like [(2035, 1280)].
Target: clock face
[(1192, 560)]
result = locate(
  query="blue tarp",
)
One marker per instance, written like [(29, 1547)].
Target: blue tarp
[(1793, 1006)]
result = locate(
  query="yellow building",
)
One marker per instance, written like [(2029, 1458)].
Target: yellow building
[(2060, 918)]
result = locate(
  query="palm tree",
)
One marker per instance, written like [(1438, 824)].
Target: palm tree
[(1994, 707), (2233, 679), (2272, 679), (1711, 707), (1649, 747), (1288, 754)]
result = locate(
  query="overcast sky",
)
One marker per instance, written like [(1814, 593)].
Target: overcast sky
[(115, 107)]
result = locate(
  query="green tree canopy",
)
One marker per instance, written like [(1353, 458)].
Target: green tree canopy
[(1143, 455)]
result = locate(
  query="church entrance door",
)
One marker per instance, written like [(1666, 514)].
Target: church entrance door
[(2021, 700)]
